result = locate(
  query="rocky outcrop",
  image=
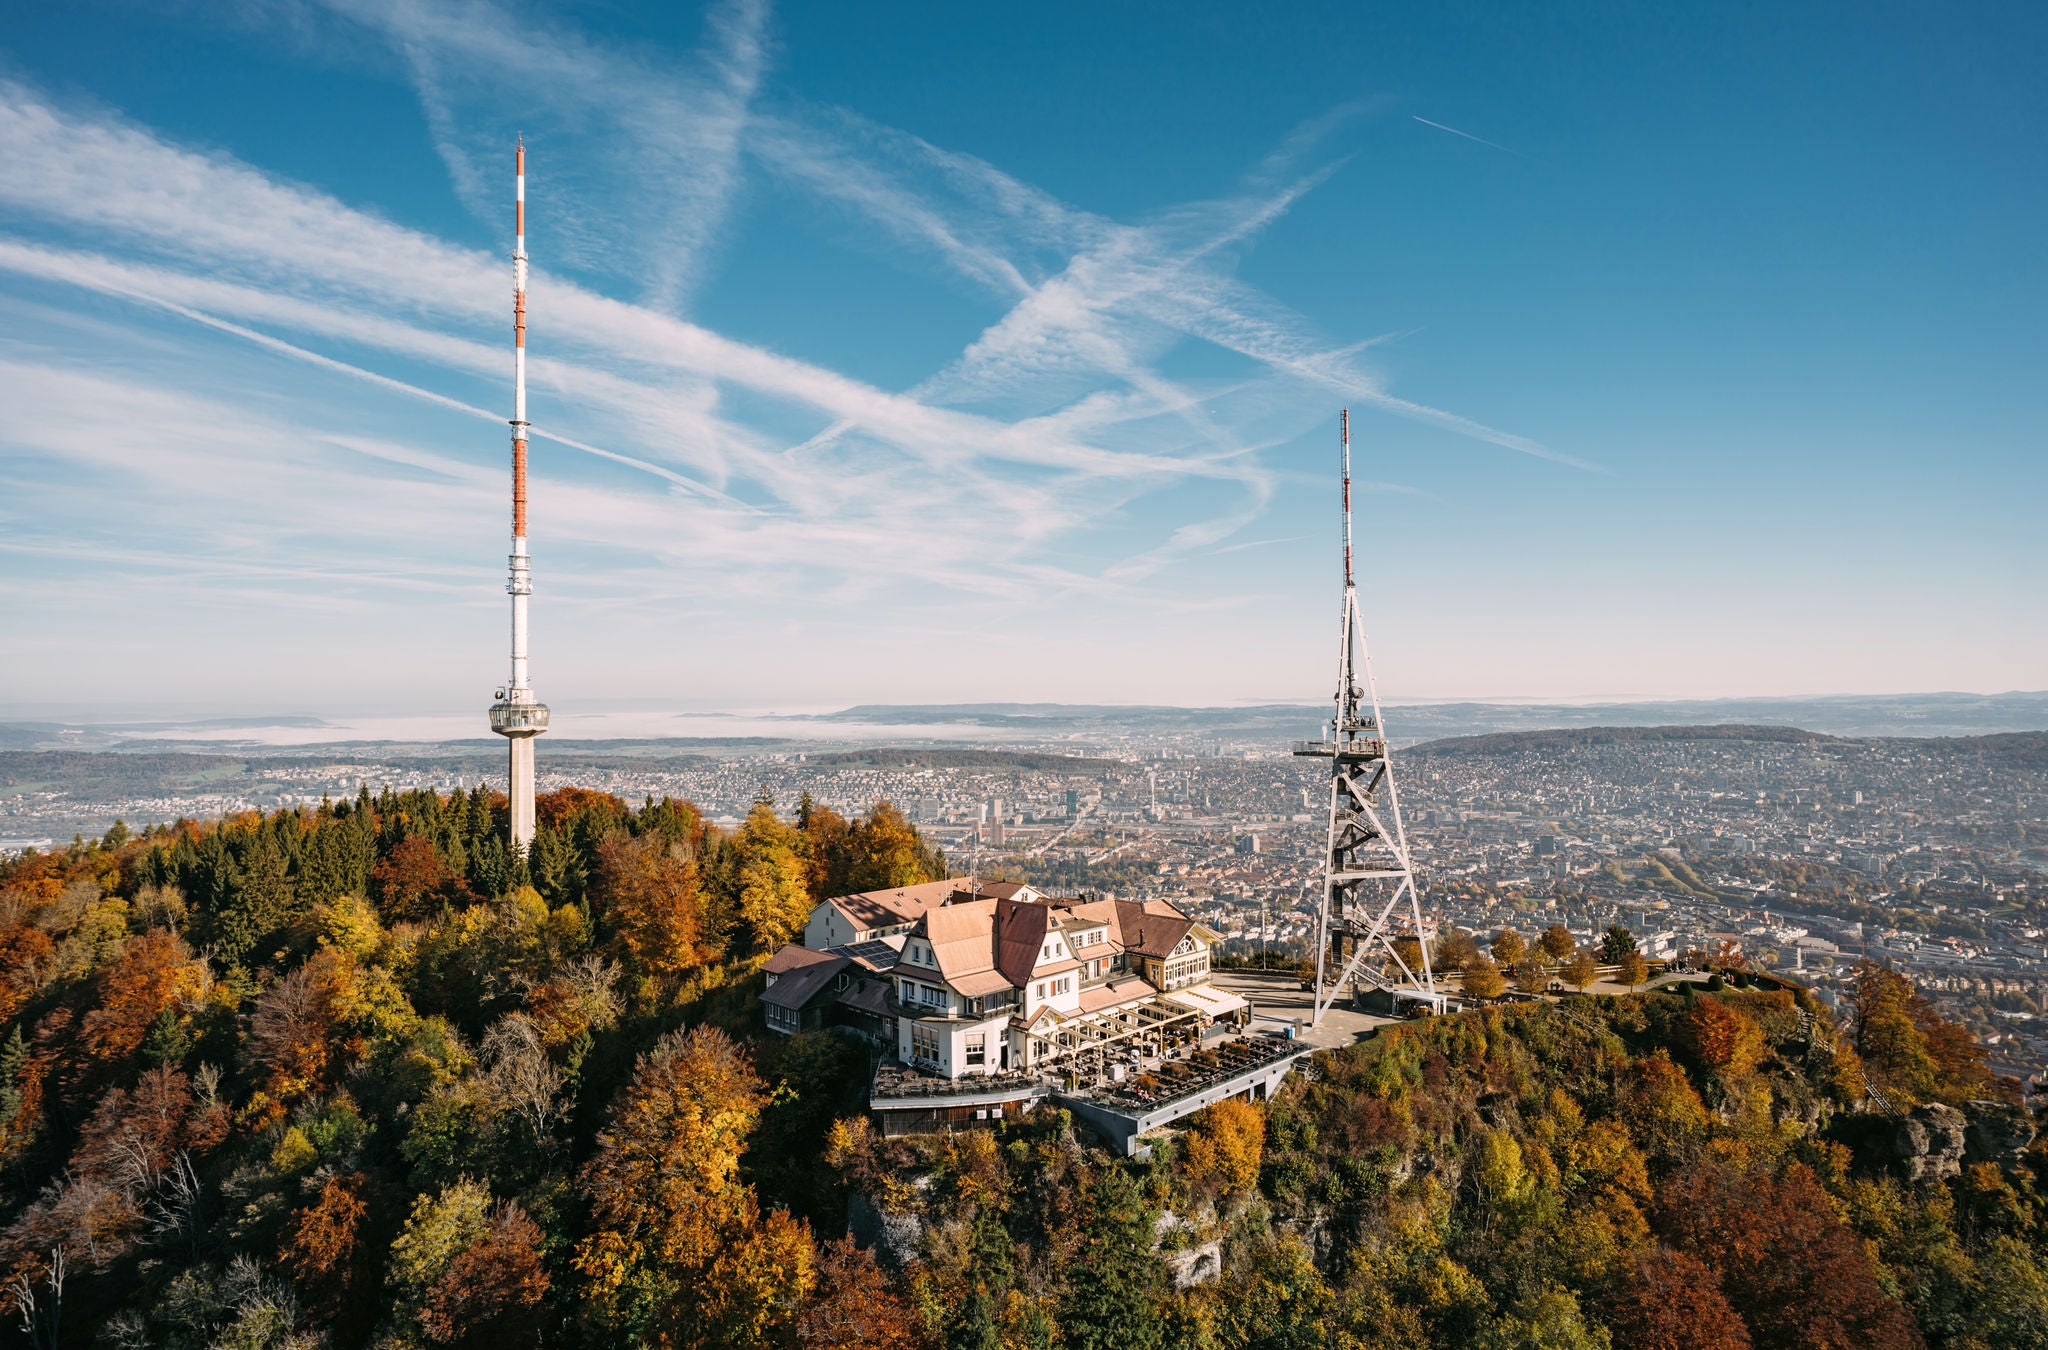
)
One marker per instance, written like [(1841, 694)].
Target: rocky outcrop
[(893, 1234), (1998, 1132), (1188, 1259), (1929, 1143)]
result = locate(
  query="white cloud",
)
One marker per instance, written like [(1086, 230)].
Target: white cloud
[(1053, 458)]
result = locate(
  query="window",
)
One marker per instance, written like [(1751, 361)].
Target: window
[(977, 1048), (1041, 989), (784, 1019), (932, 998), (924, 1044)]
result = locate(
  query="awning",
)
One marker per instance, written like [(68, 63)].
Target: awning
[(1207, 998)]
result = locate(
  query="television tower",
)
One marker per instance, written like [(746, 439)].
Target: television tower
[(518, 715), (1369, 896)]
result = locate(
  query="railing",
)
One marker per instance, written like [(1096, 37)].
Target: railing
[(897, 1081), (1809, 1027), (513, 718), (1359, 747), (1184, 1079)]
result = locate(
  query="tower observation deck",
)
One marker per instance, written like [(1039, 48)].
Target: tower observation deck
[(518, 715)]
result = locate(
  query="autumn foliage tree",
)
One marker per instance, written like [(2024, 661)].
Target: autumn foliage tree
[(1454, 949), (1482, 978), (492, 1295), (883, 850), (329, 1253), (646, 889), (1801, 1279), (766, 878), (680, 1253), (155, 973), (1723, 1039), (1908, 1046), (292, 1033), (1225, 1144), (853, 1306), (1671, 1301), (408, 881)]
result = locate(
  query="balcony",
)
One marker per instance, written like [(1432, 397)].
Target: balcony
[(510, 718), (1359, 749)]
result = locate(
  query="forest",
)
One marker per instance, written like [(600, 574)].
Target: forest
[(358, 1075)]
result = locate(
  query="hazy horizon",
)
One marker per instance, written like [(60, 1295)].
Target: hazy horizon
[(1944, 713)]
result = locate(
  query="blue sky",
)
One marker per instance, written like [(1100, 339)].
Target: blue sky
[(927, 352)]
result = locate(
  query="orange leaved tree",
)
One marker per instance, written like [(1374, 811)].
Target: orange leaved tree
[(1226, 1145)]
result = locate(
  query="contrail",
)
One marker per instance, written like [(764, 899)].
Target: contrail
[(1466, 134)]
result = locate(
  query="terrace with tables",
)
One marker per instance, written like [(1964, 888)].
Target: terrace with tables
[(1124, 1109), (1190, 1074), (1119, 1101)]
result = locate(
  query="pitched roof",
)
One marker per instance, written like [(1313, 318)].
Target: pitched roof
[(982, 982), (803, 984), (1154, 928), (866, 995), (1020, 938), (877, 954), (1115, 993), (794, 957), (886, 909), (1089, 912), (962, 938)]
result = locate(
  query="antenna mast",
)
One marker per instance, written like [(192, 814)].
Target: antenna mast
[(517, 715), (1367, 874)]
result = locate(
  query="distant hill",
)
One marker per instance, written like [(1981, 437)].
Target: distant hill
[(2013, 750), (887, 758), (1561, 738), (2010, 750), (1937, 714), (139, 774), (1283, 718)]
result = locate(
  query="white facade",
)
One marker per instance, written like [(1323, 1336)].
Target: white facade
[(971, 1005), (955, 1047)]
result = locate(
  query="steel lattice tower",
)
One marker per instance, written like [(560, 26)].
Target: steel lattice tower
[(1369, 896)]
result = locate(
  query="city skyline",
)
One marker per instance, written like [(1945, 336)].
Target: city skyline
[(854, 388)]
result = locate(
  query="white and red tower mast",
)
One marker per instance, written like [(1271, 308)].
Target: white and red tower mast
[(517, 715)]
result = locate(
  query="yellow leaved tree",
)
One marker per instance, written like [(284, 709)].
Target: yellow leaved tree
[(680, 1254)]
